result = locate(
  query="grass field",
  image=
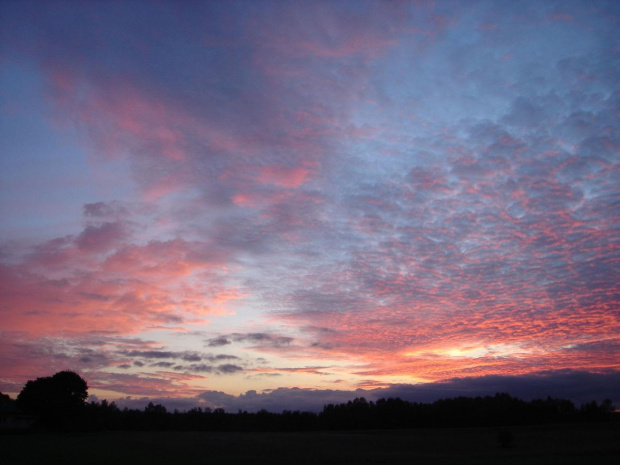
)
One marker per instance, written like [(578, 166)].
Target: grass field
[(556, 444)]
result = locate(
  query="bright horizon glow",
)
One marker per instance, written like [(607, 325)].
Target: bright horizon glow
[(330, 196)]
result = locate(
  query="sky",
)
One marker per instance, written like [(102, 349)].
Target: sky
[(267, 204)]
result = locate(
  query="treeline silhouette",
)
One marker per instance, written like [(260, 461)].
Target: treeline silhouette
[(58, 404), (358, 414)]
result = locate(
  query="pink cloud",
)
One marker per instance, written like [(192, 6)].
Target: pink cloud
[(128, 117), (281, 176), (64, 289), (101, 237), (244, 200), (371, 47), (127, 123), (168, 384)]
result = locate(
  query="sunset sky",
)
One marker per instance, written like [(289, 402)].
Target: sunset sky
[(229, 203)]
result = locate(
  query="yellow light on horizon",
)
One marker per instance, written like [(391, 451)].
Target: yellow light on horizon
[(477, 350)]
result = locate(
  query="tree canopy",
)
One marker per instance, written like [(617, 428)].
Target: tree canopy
[(56, 399)]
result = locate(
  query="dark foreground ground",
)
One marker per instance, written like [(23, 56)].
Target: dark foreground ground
[(556, 444)]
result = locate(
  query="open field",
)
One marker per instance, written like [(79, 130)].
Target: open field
[(556, 444)]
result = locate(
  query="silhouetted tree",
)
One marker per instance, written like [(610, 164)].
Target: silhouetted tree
[(102, 416), (156, 417), (58, 400)]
